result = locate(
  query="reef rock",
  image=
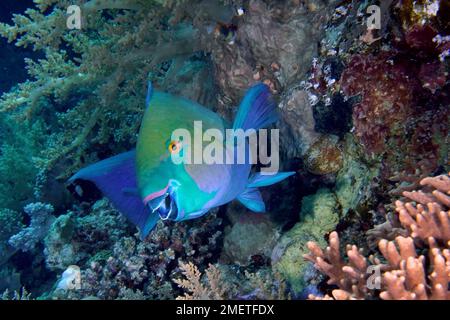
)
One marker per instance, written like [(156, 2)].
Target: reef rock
[(297, 133), (273, 43), (59, 249), (252, 235)]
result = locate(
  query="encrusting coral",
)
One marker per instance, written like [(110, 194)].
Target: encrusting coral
[(405, 273)]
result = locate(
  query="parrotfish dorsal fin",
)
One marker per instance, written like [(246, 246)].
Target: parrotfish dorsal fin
[(149, 94), (257, 109), (116, 179)]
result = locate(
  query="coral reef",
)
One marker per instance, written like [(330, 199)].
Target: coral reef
[(363, 121), (406, 273)]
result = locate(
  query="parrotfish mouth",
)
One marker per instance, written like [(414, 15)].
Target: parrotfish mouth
[(164, 202)]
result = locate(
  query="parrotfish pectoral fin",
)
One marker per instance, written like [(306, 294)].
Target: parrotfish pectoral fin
[(251, 198), (257, 110), (149, 94), (261, 180), (116, 179)]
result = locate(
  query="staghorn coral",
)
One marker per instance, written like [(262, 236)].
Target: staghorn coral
[(349, 276), (409, 181), (404, 272)]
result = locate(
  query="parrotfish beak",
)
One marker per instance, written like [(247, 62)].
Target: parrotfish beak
[(164, 202)]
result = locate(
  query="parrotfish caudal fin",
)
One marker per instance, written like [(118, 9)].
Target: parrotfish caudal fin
[(116, 178), (257, 110)]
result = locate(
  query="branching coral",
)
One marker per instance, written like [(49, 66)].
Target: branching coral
[(23, 294), (408, 278), (213, 289), (406, 273), (426, 217), (349, 276), (223, 282)]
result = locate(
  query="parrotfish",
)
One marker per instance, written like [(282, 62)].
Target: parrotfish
[(146, 185)]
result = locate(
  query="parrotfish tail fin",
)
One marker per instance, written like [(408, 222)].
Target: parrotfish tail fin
[(251, 199), (257, 110), (261, 180), (149, 94), (116, 179)]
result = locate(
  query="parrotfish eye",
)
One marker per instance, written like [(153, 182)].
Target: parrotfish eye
[(175, 147)]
